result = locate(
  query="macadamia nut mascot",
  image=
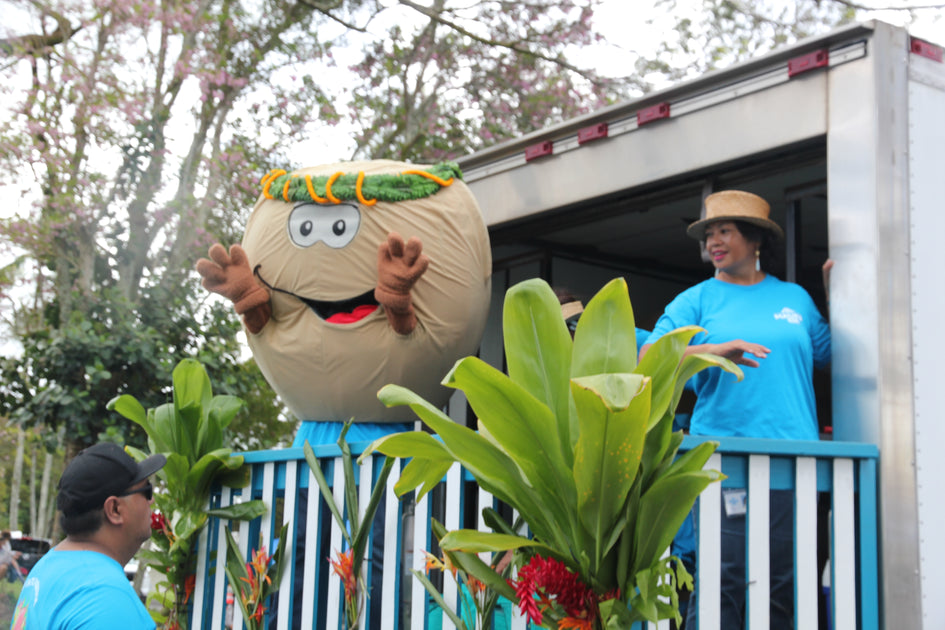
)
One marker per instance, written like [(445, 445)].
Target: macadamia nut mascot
[(355, 275)]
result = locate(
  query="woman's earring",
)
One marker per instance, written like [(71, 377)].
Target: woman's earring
[(757, 260)]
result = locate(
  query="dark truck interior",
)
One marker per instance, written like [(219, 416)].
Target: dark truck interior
[(640, 234)]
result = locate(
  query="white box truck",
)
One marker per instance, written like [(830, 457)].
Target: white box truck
[(844, 134)]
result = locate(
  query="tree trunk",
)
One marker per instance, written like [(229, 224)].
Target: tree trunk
[(33, 514), (17, 480), (43, 525)]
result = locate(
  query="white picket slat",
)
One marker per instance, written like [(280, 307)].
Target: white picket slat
[(807, 582), (759, 536), (418, 595), (390, 605), (710, 553), (288, 558), (333, 610), (313, 528), (843, 552), (219, 578)]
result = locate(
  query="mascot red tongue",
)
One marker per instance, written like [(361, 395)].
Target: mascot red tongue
[(355, 275)]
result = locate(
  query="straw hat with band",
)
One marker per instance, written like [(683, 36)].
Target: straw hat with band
[(734, 205)]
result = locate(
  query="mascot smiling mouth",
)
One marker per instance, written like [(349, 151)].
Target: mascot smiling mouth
[(338, 312)]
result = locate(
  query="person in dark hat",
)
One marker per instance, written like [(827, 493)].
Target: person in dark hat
[(773, 329), (105, 510)]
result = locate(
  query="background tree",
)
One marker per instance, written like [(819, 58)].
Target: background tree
[(704, 35), (137, 131), (468, 76)]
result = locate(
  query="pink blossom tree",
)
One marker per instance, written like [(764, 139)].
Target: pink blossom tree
[(135, 133)]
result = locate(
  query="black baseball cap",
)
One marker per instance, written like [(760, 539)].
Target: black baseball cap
[(99, 472)]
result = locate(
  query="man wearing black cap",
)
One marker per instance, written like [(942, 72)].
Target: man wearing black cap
[(105, 504)]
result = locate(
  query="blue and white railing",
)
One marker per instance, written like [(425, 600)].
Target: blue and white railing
[(311, 597)]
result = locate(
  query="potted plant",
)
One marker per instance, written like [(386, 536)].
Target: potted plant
[(578, 439)]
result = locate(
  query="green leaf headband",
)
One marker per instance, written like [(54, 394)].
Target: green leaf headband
[(366, 189)]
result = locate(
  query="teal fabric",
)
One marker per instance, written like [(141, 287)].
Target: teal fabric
[(79, 590), (501, 619)]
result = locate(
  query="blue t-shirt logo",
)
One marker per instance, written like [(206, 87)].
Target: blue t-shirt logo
[(789, 315)]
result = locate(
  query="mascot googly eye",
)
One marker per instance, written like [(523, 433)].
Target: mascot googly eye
[(355, 275)]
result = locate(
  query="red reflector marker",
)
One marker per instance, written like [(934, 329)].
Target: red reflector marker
[(539, 150), (594, 132), (925, 49), (810, 61), (655, 112)]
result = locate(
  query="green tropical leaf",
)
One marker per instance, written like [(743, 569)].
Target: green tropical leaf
[(474, 541), (495, 471), (246, 511), (367, 520), (605, 340), (662, 510), (410, 444), (613, 410), (538, 348), (129, 407), (660, 363), (425, 472), (326, 490), (519, 424)]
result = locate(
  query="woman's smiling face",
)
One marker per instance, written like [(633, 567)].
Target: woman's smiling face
[(728, 248)]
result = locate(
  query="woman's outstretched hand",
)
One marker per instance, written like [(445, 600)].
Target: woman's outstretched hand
[(738, 351)]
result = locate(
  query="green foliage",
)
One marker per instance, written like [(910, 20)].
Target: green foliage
[(254, 582), (9, 594), (354, 523), (577, 439), (189, 432)]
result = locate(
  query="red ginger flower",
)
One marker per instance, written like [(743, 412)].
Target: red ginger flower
[(554, 583), (158, 521)]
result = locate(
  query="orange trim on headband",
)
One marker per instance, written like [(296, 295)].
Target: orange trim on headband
[(331, 180), (438, 180), (357, 191), (311, 190)]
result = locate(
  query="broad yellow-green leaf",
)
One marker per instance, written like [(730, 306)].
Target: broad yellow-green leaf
[(472, 564), (422, 472), (520, 424), (129, 407), (660, 362), (473, 541), (246, 511), (538, 347), (693, 459), (409, 444), (613, 410), (662, 510), (605, 339), (493, 469)]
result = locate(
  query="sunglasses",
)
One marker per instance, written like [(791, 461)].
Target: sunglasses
[(147, 490)]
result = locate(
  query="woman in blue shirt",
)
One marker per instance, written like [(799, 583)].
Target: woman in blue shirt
[(773, 329)]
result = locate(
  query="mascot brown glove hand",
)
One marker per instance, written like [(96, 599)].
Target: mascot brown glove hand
[(229, 275), (399, 266)]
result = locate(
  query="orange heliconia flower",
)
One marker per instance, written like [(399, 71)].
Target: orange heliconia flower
[(344, 568)]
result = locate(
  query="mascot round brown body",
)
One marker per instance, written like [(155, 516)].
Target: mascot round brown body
[(355, 275)]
